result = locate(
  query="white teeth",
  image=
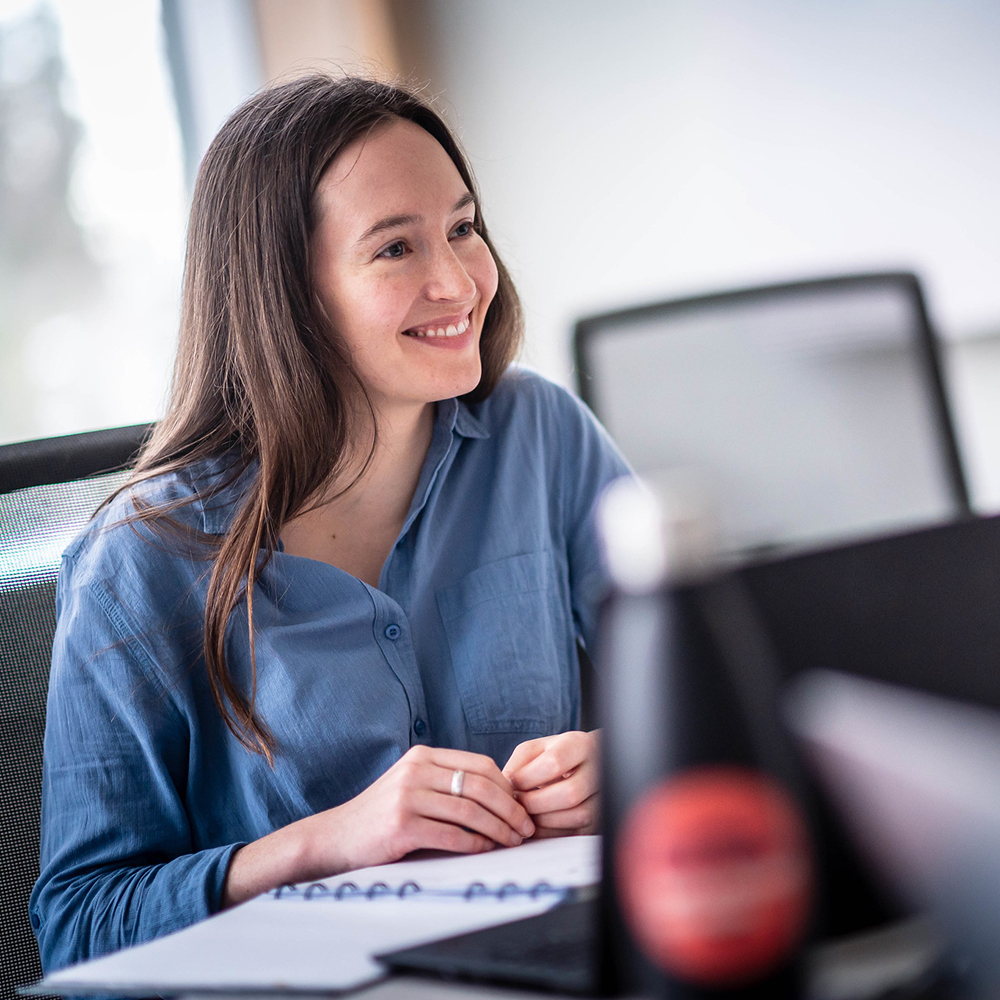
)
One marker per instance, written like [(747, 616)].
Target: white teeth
[(451, 331)]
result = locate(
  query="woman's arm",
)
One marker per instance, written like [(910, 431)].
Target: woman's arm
[(118, 862), (409, 807), (120, 857)]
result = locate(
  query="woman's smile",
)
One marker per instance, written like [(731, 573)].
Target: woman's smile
[(444, 332)]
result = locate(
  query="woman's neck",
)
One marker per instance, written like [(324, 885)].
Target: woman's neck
[(401, 444), (357, 523)]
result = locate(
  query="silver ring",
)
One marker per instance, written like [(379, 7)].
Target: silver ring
[(457, 781)]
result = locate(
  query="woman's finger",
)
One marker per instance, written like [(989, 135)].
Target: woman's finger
[(471, 763), (487, 794), (565, 793), (561, 755), (523, 754), (430, 834), (581, 817), (465, 813)]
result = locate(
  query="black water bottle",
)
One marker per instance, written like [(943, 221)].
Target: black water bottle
[(707, 854)]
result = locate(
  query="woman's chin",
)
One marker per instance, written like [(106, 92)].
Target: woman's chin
[(469, 384), (459, 383)]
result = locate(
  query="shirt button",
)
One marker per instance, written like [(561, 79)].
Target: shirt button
[(35, 921), (420, 727), (392, 632)]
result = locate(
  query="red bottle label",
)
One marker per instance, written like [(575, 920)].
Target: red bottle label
[(714, 875)]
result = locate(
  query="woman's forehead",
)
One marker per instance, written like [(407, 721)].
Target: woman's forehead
[(399, 169)]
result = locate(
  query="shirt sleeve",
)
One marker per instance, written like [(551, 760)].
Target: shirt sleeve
[(590, 461), (117, 861)]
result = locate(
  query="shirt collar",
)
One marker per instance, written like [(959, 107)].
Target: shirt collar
[(219, 503), (461, 420), (217, 511)]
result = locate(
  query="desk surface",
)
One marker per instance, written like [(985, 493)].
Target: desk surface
[(865, 965), (405, 988)]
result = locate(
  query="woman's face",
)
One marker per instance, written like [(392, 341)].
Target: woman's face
[(404, 278)]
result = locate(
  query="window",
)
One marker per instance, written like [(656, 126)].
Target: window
[(93, 207)]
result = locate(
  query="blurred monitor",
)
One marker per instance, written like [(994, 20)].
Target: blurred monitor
[(815, 412)]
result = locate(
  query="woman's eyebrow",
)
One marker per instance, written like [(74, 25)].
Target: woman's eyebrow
[(393, 221), (390, 222)]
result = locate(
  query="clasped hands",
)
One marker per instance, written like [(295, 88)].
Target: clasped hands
[(548, 788)]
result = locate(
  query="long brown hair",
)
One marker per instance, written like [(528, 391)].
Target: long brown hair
[(259, 373)]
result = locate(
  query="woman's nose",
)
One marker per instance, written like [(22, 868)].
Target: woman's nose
[(447, 278)]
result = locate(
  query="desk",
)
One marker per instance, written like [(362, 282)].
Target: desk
[(404, 988), (865, 965)]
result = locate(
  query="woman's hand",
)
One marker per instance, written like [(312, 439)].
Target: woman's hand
[(556, 780), (408, 808), (411, 807)]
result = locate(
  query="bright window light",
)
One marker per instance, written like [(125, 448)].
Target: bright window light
[(93, 200)]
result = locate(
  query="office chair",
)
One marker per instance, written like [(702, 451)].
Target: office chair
[(814, 412), (48, 491)]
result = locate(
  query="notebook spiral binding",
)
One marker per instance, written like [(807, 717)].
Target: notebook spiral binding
[(381, 890)]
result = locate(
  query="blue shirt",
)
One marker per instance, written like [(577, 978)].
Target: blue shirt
[(468, 642)]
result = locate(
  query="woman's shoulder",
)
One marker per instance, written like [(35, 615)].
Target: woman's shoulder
[(152, 523), (545, 442), (525, 406), (525, 395)]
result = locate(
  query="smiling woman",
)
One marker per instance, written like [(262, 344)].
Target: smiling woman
[(333, 616)]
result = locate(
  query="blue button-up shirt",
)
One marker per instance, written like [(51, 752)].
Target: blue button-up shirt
[(468, 642)]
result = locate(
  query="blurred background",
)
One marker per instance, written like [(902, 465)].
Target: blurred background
[(627, 153)]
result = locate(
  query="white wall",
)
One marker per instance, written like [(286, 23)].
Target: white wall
[(640, 150)]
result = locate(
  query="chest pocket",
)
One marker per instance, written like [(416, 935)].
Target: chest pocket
[(509, 638)]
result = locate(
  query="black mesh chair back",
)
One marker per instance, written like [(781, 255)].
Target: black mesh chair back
[(48, 491)]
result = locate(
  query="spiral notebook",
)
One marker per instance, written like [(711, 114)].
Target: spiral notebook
[(322, 936)]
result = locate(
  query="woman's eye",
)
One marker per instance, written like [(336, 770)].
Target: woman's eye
[(393, 250), (463, 229)]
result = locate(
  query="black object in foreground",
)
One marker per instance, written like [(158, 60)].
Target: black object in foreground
[(556, 950)]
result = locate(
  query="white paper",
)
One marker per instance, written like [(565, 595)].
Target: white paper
[(322, 943)]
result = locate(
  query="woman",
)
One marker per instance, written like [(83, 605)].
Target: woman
[(344, 586)]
